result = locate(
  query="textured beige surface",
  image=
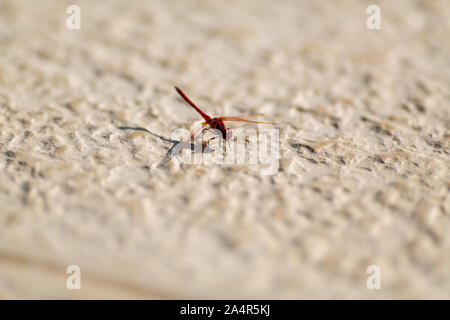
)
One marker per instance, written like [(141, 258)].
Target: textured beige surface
[(364, 145)]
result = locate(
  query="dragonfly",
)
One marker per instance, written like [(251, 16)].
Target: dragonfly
[(217, 123)]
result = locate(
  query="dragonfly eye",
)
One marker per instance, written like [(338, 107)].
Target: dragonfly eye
[(229, 133)]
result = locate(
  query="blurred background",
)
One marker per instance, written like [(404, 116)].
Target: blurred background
[(364, 149)]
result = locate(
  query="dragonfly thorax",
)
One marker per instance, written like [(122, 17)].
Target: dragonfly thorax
[(218, 124)]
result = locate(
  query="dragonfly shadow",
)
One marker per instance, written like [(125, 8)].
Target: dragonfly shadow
[(176, 147)]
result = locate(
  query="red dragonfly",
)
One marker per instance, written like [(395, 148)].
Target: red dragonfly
[(218, 122), (212, 123)]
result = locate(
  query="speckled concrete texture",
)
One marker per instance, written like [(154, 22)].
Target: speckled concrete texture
[(364, 149)]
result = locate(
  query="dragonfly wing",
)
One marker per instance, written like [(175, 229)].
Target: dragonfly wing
[(245, 116), (242, 119)]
